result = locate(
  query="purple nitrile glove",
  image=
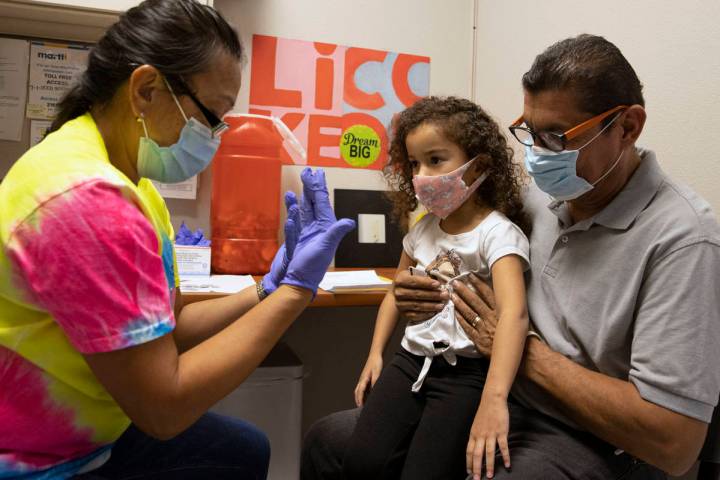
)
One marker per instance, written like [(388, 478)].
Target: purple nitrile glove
[(321, 233), (278, 268), (184, 235), (199, 239)]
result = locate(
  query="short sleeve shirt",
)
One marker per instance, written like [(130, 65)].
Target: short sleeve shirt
[(473, 251), (632, 292), (86, 266)]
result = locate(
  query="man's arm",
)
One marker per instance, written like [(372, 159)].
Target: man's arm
[(610, 408), (613, 410)]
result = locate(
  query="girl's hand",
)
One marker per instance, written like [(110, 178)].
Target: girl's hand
[(368, 377), (489, 430)]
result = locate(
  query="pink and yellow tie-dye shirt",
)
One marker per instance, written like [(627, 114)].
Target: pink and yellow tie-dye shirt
[(86, 266)]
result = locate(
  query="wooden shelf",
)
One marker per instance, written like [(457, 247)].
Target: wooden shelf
[(323, 298), (62, 20)]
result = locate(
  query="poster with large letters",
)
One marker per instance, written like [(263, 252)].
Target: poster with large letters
[(339, 101)]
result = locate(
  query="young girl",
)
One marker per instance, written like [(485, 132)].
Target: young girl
[(449, 155)]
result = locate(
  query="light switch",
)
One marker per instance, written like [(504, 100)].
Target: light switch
[(371, 228)]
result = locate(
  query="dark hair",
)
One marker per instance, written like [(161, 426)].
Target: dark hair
[(178, 37), (471, 128), (590, 66)]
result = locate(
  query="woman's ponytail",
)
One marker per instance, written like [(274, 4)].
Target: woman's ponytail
[(75, 103)]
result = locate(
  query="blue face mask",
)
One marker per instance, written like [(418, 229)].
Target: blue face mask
[(191, 154), (555, 173)]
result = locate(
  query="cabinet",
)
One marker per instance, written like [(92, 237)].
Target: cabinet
[(74, 20), (103, 5)]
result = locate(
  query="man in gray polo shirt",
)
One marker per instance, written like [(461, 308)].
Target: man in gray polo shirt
[(620, 375)]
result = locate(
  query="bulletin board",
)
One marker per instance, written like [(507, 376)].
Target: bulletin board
[(34, 75)]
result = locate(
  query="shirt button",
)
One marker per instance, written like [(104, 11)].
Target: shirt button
[(564, 239)]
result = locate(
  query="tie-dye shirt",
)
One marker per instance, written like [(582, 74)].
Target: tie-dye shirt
[(86, 266)]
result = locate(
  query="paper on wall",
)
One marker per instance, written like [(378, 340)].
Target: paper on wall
[(186, 190), (38, 129), (14, 59), (54, 69)]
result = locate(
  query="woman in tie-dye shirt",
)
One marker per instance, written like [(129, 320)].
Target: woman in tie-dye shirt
[(97, 373)]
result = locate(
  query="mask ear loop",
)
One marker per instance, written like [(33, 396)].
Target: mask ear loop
[(479, 180), (176, 100), (473, 186), (141, 120), (601, 131), (619, 156), (609, 169)]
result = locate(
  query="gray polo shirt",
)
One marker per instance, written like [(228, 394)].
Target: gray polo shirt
[(632, 292)]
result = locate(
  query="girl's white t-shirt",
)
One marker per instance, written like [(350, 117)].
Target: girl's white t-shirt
[(474, 251)]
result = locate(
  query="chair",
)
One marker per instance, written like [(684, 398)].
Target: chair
[(710, 454)]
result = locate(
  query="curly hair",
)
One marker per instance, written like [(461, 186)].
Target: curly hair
[(472, 129)]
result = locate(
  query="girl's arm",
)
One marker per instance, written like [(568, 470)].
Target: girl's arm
[(385, 323), (507, 350), (491, 424), (388, 314)]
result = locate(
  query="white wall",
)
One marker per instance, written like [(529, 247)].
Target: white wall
[(673, 46), (440, 30)]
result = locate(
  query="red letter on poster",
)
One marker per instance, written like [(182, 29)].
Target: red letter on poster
[(324, 77), (262, 76), (402, 67), (354, 57), (317, 139)]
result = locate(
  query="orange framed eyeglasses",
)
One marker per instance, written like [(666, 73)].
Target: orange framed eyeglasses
[(557, 141)]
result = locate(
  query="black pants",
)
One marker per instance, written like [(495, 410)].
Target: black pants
[(541, 448), (406, 435)]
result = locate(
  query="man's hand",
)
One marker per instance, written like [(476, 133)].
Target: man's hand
[(418, 298), (475, 312)]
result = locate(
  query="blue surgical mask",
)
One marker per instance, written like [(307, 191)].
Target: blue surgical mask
[(555, 173), (191, 154)]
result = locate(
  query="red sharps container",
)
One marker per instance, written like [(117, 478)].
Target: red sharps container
[(245, 208)]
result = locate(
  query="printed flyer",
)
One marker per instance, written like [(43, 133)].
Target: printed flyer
[(53, 70)]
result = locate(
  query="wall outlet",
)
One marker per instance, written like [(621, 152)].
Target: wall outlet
[(371, 228)]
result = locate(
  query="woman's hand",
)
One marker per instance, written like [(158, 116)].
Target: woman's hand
[(489, 431), (320, 235), (278, 268), (418, 298), (475, 312), (368, 377)]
